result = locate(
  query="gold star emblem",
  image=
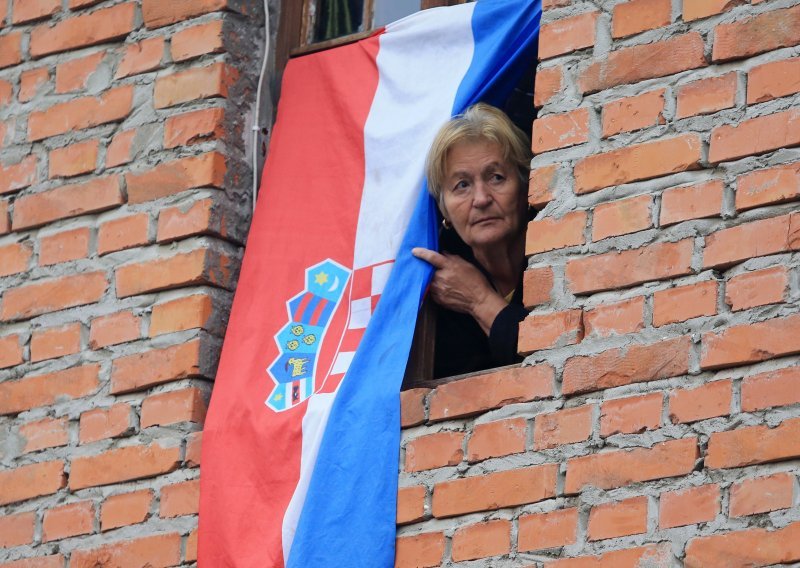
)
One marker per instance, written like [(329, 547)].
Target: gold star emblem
[(278, 397), (320, 278)]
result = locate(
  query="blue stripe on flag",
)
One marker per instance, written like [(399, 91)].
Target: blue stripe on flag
[(349, 514)]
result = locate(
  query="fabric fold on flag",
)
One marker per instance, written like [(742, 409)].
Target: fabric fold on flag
[(300, 447)]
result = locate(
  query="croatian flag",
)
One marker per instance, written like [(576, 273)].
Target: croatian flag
[(300, 446)]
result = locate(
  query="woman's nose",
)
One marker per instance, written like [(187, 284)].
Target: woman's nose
[(481, 195)]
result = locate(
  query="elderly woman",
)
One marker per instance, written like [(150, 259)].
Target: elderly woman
[(477, 169)]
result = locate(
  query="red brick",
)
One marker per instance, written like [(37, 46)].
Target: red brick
[(76, 4), (55, 342), (141, 57), (549, 233), (194, 443), (123, 233), (631, 415), (627, 268), (494, 491), (194, 127), (10, 351), (123, 464), (16, 530), (162, 409), (752, 547), (419, 551), (18, 176), (765, 187), (685, 302), (64, 246), (191, 547), (563, 427), (6, 93), (623, 518), (80, 31), (537, 286), (197, 40), (626, 365), (144, 370), (772, 388), (482, 540), (547, 85), (74, 160), (29, 10), (66, 201), (53, 295), (498, 438), (114, 329), (633, 113), (194, 84), (157, 551), (120, 151), (706, 96), (751, 240), (31, 81), (125, 509), (206, 170), (15, 258), (102, 423), (762, 494), (201, 266), (622, 217), (412, 406), (198, 218), (29, 481), (560, 130), (53, 561), (755, 136), (696, 9), (673, 458), (615, 319), (772, 80), (757, 288), (688, 506), (49, 388), (10, 49), (691, 202), (639, 16), (68, 520), (77, 114), (410, 504), (546, 331), (750, 343), (180, 499), (45, 433), (547, 530), (764, 32), (641, 62), (493, 390), (542, 185), (73, 75), (754, 444), (707, 401), (567, 34), (434, 450), (157, 13), (655, 555), (638, 162), (5, 223)]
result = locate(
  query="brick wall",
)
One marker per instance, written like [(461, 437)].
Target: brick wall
[(124, 203), (657, 419)]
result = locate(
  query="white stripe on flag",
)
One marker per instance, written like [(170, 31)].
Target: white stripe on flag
[(421, 63)]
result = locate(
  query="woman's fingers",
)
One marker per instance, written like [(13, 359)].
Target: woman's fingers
[(432, 257)]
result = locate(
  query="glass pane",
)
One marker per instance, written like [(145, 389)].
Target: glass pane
[(387, 11), (337, 18)]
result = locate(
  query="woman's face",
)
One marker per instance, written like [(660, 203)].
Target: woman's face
[(482, 197)]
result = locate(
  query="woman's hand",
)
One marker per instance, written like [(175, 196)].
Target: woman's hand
[(459, 286)]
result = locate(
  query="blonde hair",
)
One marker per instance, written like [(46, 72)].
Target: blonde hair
[(479, 122)]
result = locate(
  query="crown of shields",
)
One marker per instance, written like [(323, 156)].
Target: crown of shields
[(310, 313)]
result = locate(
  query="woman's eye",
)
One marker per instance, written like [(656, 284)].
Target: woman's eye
[(461, 185)]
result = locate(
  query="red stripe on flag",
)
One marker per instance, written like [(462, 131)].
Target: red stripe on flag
[(320, 307)]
